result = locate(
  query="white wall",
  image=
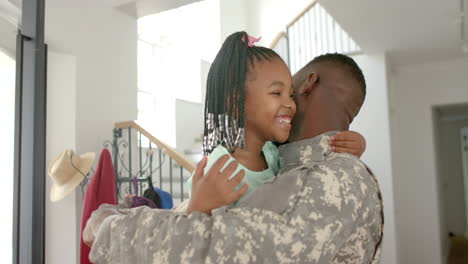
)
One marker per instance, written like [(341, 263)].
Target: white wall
[(189, 125), (189, 119), (420, 229), (102, 42), (61, 218), (233, 16), (204, 70), (373, 123)]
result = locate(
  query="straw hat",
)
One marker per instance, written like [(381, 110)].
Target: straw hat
[(65, 172)]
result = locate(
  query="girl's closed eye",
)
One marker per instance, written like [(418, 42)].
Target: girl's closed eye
[(279, 93)]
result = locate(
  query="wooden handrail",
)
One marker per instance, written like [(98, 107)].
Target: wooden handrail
[(179, 158), (277, 39), (305, 10), (296, 18)]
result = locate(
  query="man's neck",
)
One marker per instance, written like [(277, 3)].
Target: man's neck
[(316, 125), (322, 113)]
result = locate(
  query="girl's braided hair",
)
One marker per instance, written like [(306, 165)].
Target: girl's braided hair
[(225, 91)]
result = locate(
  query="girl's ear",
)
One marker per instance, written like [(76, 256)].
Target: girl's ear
[(309, 84)]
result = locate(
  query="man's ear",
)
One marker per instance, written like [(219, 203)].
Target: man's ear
[(309, 84)]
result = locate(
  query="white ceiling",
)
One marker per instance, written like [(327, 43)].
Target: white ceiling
[(411, 31), (141, 8)]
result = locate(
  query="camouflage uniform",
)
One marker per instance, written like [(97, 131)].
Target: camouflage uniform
[(323, 207)]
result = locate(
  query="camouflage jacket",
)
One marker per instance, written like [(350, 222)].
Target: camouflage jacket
[(323, 207)]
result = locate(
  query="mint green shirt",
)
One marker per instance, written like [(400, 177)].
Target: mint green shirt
[(253, 178)]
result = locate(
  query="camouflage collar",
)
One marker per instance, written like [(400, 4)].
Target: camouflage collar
[(304, 152)]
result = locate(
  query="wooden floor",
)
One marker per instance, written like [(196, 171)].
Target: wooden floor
[(458, 250)]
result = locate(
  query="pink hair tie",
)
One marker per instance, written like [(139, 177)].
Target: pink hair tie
[(252, 40)]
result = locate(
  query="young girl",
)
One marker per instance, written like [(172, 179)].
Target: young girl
[(249, 104)]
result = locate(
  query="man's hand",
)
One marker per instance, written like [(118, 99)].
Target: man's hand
[(348, 142), (215, 189)]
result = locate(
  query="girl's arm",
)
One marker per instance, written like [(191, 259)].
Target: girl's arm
[(348, 142)]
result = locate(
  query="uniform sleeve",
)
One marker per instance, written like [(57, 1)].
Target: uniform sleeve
[(364, 242), (236, 235), (323, 212)]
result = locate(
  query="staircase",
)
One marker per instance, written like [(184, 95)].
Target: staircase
[(141, 157)]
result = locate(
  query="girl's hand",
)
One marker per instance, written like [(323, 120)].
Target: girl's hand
[(215, 189), (348, 142)]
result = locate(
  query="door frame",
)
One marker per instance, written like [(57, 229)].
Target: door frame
[(30, 136)]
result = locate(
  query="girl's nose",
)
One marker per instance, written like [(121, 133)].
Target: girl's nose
[(289, 103)]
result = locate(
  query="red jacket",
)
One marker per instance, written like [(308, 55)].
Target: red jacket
[(101, 189)]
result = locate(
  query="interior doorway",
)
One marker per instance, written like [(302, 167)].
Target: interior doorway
[(464, 151), (451, 135)]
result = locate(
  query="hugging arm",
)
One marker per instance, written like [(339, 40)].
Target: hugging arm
[(310, 228)]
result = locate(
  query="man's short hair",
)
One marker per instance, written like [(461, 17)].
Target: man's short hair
[(346, 62)]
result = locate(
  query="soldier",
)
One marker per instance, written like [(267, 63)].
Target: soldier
[(322, 207)]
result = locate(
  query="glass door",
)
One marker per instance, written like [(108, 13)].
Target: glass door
[(10, 17)]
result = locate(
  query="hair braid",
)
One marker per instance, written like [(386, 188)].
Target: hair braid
[(225, 91)]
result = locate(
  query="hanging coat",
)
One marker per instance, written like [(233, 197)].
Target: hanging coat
[(101, 189)]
